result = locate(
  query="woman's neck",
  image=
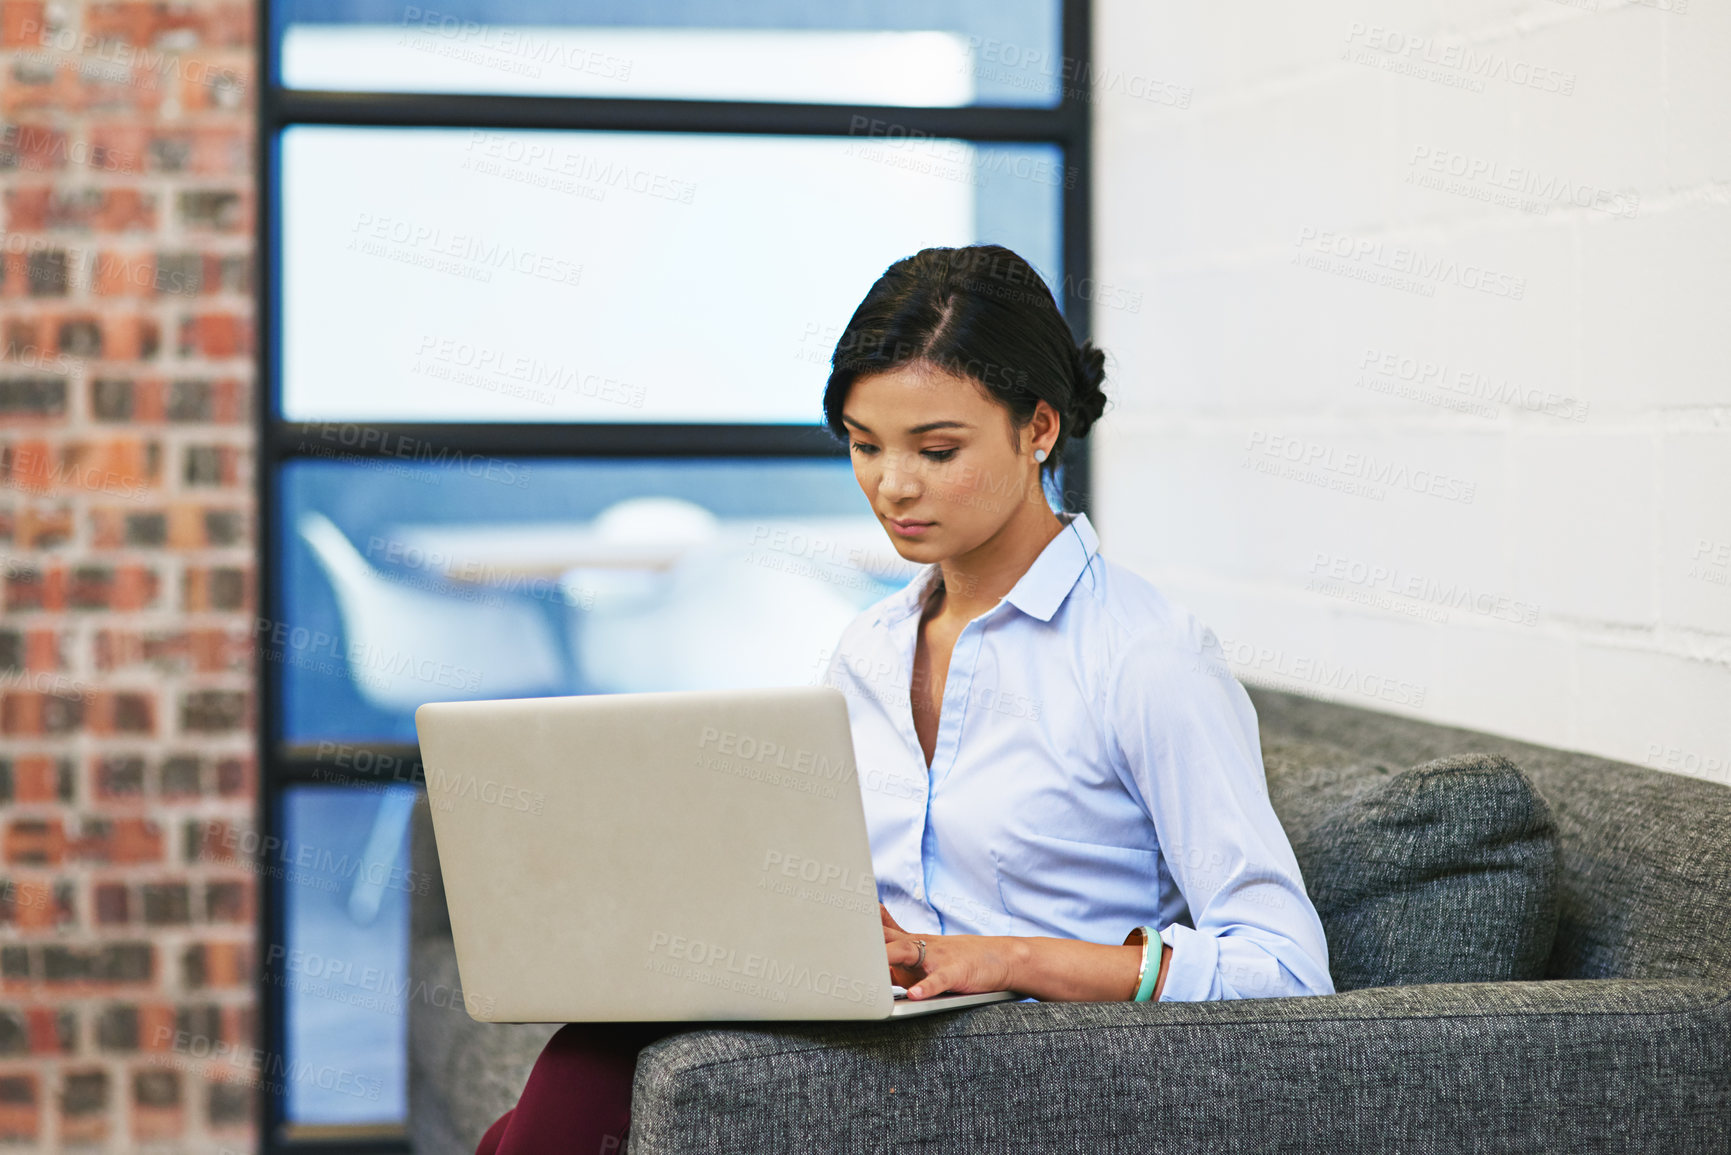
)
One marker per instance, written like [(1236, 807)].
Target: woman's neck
[(976, 581)]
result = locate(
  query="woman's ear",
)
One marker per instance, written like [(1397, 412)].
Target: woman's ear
[(1045, 426)]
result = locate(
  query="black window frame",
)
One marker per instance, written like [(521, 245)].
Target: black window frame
[(1067, 125)]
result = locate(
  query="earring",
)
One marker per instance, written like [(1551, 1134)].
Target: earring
[(1039, 455)]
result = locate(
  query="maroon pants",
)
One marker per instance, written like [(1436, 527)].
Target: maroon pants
[(578, 1097)]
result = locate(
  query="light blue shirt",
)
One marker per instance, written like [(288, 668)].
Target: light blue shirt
[(1097, 768)]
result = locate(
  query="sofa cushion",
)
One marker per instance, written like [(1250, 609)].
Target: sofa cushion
[(1441, 873)]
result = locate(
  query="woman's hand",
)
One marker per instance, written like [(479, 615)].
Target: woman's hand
[(888, 918), (961, 963), (1050, 969), (901, 976)]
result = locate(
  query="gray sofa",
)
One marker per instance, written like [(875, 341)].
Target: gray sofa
[(1620, 1040)]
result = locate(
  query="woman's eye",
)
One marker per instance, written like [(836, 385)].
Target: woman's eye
[(862, 447), (940, 454)]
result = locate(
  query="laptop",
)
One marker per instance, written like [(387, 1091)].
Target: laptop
[(687, 856)]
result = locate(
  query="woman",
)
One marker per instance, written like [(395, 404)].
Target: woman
[(1051, 754)]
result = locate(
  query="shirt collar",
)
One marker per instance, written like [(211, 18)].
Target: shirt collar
[(1039, 592)]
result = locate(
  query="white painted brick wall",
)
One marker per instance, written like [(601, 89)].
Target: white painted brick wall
[(1582, 389)]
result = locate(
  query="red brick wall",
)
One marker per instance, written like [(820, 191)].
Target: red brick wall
[(126, 526)]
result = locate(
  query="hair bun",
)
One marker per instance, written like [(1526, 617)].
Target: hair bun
[(1090, 398)]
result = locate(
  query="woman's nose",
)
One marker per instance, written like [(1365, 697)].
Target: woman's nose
[(899, 479)]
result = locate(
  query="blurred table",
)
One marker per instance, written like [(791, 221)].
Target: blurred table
[(494, 554)]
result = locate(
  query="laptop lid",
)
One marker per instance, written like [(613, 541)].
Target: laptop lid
[(688, 856)]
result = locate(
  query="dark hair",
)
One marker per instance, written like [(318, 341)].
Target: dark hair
[(980, 312)]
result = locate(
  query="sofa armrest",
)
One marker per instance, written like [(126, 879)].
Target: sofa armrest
[(1624, 1064), (462, 1074)]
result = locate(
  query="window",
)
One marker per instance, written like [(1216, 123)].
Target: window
[(548, 300), (544, 276), (881, 52)]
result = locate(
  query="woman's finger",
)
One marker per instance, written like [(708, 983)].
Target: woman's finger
[(903, 952), (935, 983)]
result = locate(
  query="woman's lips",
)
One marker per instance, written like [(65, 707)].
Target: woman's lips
[(909, 528)]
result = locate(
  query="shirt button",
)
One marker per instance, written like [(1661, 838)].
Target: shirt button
[(919, 892)]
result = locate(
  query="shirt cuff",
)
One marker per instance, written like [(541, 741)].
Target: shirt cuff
[(1195, 959)]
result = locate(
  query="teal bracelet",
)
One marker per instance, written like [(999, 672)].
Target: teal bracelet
[(1149, 973)]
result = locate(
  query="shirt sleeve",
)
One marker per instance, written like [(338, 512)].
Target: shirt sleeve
[(1186, 732)]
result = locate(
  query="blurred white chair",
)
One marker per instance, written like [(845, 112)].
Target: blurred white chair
[(419, 646), (725, 615), (378, 857)]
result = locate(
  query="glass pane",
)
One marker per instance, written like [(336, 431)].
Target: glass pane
[(344, 962), (940, 53), (529, 276), (406, 582)]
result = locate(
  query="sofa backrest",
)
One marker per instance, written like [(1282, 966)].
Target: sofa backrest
[(1644, 855)]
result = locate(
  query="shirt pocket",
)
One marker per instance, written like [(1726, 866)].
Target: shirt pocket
[(1071, 889)]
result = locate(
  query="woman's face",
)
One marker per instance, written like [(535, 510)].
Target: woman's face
[(937, 458)]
